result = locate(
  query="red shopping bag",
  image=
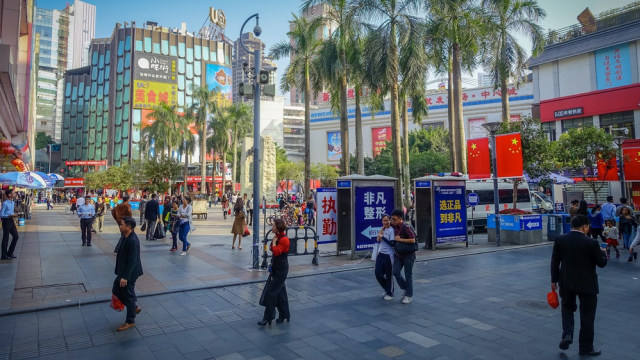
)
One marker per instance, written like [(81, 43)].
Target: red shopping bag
[(246, 231), (116, 304), (229, 211), (552, 299)]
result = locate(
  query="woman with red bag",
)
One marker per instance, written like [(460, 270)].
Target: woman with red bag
[(239, 223), (275, 291), (225, 206)]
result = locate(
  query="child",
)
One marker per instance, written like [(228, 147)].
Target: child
[(297, 213), (611, 235)]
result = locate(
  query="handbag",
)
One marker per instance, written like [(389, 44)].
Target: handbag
[(265, 290), (159, 232), (403, 248), (246, 231), (552, 299), (144, 226), (116, 304)]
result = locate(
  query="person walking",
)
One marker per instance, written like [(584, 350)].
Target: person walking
[(86, 213), (151, 214), (74, 207), (609, 209), (597, 223), (225, 206), (249, 206), (7, 213), (143, 209), (99, 217), (623, 204), (573, 269), (49, 206), (238, 223), (173, 219), (186, 223), (384, 260), (573, 210), (119, 212), (583, 208), (403, 233), (610, 233), (626, 225), (128, 270), (276, 290)]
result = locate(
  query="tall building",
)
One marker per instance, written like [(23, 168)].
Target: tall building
[(293, 132), (484, 80), (64, 38), (240, 56), (106, 103)]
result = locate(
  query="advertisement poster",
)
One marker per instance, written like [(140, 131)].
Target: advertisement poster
[(148, 94), (327, 215), (334, 147), (219, 76), (370, 204), (450, 214), (613, 67), (379, 138), (156, 68)]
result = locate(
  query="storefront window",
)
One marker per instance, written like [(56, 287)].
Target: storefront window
[(549, 129), (615, 123), (576, 123)]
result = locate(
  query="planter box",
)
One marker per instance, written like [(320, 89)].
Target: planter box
[(516, 229)]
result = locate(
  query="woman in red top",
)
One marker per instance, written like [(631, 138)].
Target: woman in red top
[(276, 293)]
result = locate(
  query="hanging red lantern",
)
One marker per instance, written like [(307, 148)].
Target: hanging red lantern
[(5, 143), (8, 150)]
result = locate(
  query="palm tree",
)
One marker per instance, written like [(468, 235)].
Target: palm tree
[(505, 57), (164, 132), (220, 142), (302, 49), (188, 144), (388, 62), (205, 104), (241, 124), (460, 23)]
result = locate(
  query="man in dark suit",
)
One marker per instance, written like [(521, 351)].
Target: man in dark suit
[(151, 214), (128, 269), (573, 268)]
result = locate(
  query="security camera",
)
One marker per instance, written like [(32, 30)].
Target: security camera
[(245, 64), (257, 30)]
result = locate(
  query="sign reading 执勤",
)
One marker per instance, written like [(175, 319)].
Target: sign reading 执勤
[(326, 215), (370, 204), (450, 213)]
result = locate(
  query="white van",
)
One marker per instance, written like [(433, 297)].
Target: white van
[(484, 189), (541, 202)]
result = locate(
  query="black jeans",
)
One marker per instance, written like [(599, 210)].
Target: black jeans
[(588, 304), (151, 229), (384, 272), (9, 227), (250, 214), (128, 297), (277, 298), (85, 228), (406, 282)]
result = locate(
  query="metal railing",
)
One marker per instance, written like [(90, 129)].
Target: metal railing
[(305, 233)]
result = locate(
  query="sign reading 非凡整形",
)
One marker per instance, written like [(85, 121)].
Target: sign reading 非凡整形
[(450, 214), (568, 112), (370, 204), (327, 215)]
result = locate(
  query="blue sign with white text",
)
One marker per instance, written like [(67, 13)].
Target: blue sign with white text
[(450, 214), (423, 184), (370, 204), (531, 222), (473, 199), (344, 183)]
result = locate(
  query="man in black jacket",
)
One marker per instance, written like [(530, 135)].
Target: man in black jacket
[(151, 214), (128, 269), (573, 268)]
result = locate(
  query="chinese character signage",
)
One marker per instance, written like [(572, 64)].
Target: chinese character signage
[(450, 213), (334, 146), (568, 112), (327, 215), (370, 204), (156, 68), (613, 67), (219, 77), (379, 138), (149, 94)]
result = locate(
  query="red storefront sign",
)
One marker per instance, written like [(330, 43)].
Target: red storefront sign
[(86, 163), (198, 179), (379, 138), (623, 98), (74, 182)]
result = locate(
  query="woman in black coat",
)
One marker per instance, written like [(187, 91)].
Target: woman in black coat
[(275, 291)]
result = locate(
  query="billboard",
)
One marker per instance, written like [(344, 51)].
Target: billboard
[(156, 68), (379, 138), (148, 94), (334, 147), (370, 204), (220, 77), (613, 67)]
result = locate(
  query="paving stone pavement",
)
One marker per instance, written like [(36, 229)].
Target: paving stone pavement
[(482, 306)]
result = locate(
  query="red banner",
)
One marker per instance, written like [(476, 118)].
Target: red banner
[(509, 155), (478, 158), (86, 163), (198, 179), (607, 171), (74, 182), (379, 138), (631, 164)]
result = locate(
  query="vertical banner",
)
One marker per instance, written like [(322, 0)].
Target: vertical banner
[(478, 162), (379, 138), (450, 214), (326, 215), (631, 164), (334, 146), (370, 204), (509, 155), (607, 171)]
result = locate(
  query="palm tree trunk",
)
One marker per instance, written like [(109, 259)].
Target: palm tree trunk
[(452, 125), (224, 171), (203, 157), (307, 131), (504, 94), (395, 121), (344, 120), (406, 176), (186, 170), (359, 140), (169, 150), (235, 157), (457, 110)]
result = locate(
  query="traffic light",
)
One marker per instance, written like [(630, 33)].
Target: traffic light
[(245, 89)]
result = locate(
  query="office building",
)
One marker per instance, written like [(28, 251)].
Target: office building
[(293, 132)]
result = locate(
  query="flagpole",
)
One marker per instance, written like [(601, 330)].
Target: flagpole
[(492, 127)]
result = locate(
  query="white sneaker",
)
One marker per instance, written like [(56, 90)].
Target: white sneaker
[(406, 300), (183, 253), (384, 294), (387, 297)]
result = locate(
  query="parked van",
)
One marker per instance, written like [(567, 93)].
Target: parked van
[(541, 202), (484, 189)]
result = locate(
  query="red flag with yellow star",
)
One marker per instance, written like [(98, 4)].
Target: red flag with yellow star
[(478, 162), (607, 171), (509, 155), (631, 163)]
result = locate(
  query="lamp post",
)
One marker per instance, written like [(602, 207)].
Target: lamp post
[(618, 140), (257, 58), (492, 127)]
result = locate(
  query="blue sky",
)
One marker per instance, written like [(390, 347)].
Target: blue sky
[(274, 14)]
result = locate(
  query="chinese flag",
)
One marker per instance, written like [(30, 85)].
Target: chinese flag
[(607, 171), (631, 164), (509, 155), (478, 162)]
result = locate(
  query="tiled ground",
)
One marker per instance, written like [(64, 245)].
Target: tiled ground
[(484, 306)]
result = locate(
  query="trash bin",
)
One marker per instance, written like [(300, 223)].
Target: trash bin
[(566, 223), (554, 227)]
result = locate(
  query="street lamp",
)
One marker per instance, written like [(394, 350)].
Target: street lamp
[(618, 140), (492, 127), (257, 58)]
